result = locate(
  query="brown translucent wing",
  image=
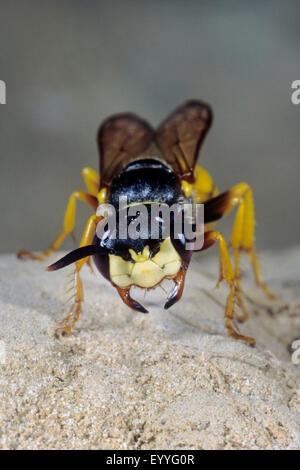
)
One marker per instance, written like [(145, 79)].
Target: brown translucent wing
[(121, 138), (180, 136)]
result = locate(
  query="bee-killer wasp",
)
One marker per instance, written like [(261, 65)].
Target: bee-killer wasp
[(165, 174)]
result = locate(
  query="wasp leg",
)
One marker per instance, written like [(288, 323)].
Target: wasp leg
[(68, 226), (176, 292), (91, 179), (227, 273), (90, 266), (67, 324), (203, 189), (92, 182), (124, 293), (243, 232)]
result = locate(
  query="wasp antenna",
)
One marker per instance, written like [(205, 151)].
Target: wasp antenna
[(75, 255)]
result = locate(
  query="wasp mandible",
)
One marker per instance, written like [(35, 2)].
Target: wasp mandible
[(157, 167)]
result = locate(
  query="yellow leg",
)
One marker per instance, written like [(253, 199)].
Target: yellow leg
[(227, 273), (67, 324), (68, 225), (91, 179), (236, 238), (202, 190), (243, 233), (204, 187)]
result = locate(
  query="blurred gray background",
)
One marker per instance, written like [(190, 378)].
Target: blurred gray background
[(69, 64)]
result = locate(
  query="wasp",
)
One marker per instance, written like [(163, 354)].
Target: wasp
[(157, 167)]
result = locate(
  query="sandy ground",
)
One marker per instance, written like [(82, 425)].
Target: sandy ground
[(167, 380)]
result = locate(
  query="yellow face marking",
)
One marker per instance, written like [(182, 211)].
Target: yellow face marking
[(145, 272), (167, 254), (140, 257)]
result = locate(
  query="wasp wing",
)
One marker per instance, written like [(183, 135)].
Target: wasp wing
[(121, 138), (180, 136)]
